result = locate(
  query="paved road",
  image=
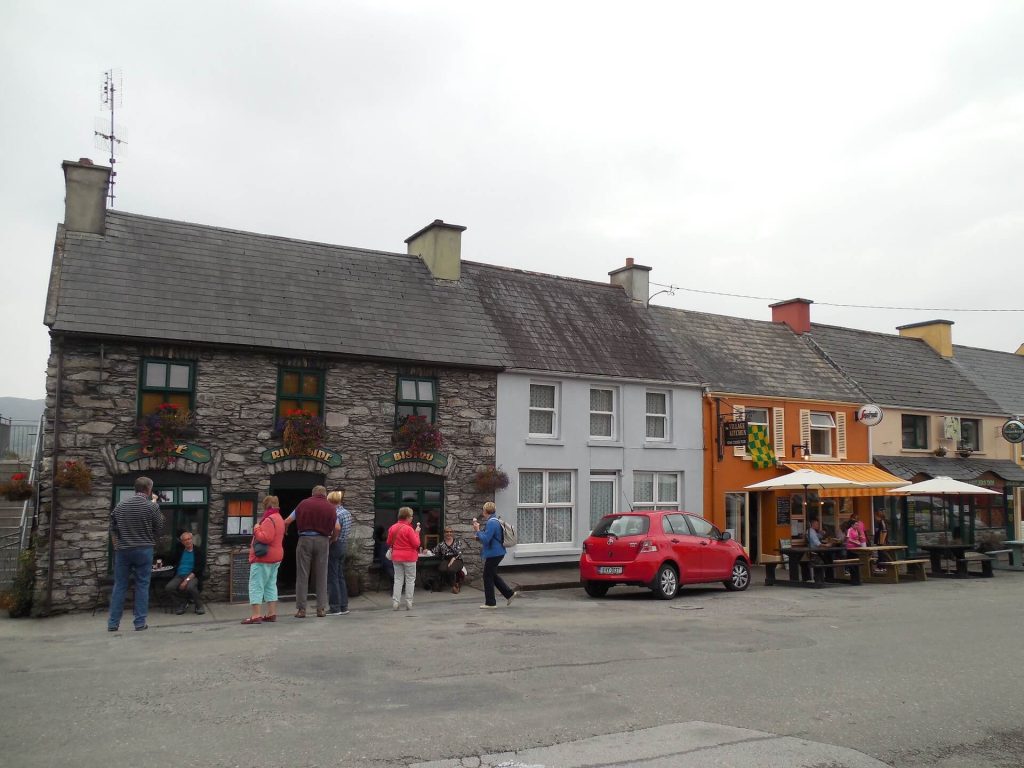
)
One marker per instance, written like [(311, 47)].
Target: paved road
[(907, 675)]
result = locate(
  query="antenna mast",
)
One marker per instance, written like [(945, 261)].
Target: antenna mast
[(112, 88)]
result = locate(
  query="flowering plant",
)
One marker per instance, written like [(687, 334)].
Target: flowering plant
[(301, 432), (417, 433), (489, 479), (74, 474), (160, 431), (17, 488)]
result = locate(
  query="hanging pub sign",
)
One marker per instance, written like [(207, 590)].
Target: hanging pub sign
[(869, 415), (433, 458), (190, 451), (1013, 431), (734, 432), (274, 455)]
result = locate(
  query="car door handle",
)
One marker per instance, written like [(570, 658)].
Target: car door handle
[(674, 541), (704, 542)]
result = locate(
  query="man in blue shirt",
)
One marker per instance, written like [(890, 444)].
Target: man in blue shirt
[(184, 587)]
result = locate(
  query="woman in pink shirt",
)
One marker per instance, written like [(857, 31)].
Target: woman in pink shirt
[(263, 568), (404, 542), (855, 536)]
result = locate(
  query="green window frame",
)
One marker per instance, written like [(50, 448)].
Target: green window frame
[(300, 389), (427, 504), (160, 382), (416, 396), (186, 509)]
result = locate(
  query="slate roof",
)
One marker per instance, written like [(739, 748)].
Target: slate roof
[(154, 279), (999, 374), (901, 372), (755, 357), (909, 467)]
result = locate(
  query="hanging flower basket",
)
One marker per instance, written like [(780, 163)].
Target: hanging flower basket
[(301, 432), (161, 431), (17, 488), (489, 479), (417, 433), (74, 475)]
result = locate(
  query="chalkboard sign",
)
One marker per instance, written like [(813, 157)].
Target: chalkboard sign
[(238, 578), (782, 510)]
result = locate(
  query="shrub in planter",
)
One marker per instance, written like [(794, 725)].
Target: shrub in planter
[(161, 431), (301, 432), (74, 475), (417, 433), (17, 488), (489, 479)]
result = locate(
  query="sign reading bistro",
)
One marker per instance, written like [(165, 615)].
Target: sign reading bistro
[(433, 458)]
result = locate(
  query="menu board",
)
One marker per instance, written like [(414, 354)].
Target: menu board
[(238, 577), (782, 510)]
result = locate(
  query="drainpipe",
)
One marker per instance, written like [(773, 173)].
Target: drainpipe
[(53, 476)]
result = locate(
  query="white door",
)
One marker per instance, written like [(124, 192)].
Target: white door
[(736, 518), (602, 498)]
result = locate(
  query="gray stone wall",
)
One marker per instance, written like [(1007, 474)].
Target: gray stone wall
[(235, 399)]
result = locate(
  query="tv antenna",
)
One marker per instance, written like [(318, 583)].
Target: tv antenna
[(111, 136)]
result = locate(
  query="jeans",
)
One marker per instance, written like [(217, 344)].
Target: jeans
[(137, 561), (492, 580), (337, 589), (405, 573), (311, 549)]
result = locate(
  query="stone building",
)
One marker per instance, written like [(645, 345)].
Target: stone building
[(241, 329)]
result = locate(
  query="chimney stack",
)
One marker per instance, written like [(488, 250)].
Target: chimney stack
[(85, 196), (635, 279), (937, 334), (796, 313), (440, 247)]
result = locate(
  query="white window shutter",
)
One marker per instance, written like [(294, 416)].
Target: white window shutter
[(841, 434), (779, 433), (739, 413), (805, 427)]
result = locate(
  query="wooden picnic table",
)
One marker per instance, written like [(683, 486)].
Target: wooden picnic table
[(804, 572), (869, 553), (951, 551)]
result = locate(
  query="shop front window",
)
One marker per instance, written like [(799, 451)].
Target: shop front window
[(422, 493), (184, 508)]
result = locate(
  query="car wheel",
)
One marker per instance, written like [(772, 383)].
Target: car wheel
[(666, 583), (739, 579), (596, 588)]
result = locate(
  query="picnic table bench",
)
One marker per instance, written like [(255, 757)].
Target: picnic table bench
[(971, 558), (852, 566), (914, 570)]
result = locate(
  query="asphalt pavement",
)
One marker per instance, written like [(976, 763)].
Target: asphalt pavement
[(908, 675)]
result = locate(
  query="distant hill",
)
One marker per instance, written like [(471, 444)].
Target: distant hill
[(20, 408)]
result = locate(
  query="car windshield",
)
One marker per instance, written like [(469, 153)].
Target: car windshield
[(622, 525)]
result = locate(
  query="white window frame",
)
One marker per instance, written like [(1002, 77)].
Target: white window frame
[(546, 505), (829, 430), (612, 415), (657, 503), (666, 416), (553, 410)]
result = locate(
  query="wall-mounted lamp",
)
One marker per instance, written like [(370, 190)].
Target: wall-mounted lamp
[(803, 448)]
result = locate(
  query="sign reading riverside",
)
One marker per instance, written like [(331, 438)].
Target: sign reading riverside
[(190, 451), (274, 455), (433, 458)]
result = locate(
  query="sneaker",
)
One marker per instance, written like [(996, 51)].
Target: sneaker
[(395, 606), (342, 613), (111, 629), (512, 597), (179, 610), (142, 628), (335, 612), (487, 607), (200, 610)]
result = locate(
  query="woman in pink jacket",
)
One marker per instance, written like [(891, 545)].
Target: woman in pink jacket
[(404, 542), (263, 568)]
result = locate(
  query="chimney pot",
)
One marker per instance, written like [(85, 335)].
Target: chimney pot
[(796, 313), (85, 196)]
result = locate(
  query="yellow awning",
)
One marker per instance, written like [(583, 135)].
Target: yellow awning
[(875, 479)]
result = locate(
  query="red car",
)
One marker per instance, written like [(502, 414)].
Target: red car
[(660, 550)]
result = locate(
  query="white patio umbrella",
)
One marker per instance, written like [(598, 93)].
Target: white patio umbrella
[(941, 486), (805, 479)]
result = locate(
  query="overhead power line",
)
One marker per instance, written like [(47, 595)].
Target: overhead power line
[(673, 288)]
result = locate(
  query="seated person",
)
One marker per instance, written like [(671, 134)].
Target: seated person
[(449, 550), (816, 539), (189, 565)]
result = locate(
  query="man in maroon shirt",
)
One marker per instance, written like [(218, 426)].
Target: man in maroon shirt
[(317, 522)]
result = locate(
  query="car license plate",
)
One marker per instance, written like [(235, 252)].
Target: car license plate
[(610, 570)]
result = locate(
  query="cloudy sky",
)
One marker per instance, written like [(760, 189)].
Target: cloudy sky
[(868, 153)]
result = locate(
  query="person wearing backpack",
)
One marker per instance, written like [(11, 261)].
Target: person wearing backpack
[(492, 551)]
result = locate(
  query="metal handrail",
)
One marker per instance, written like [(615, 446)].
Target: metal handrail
[(25, 525)]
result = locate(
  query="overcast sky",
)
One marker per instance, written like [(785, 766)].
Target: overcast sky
[(850, 153)]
